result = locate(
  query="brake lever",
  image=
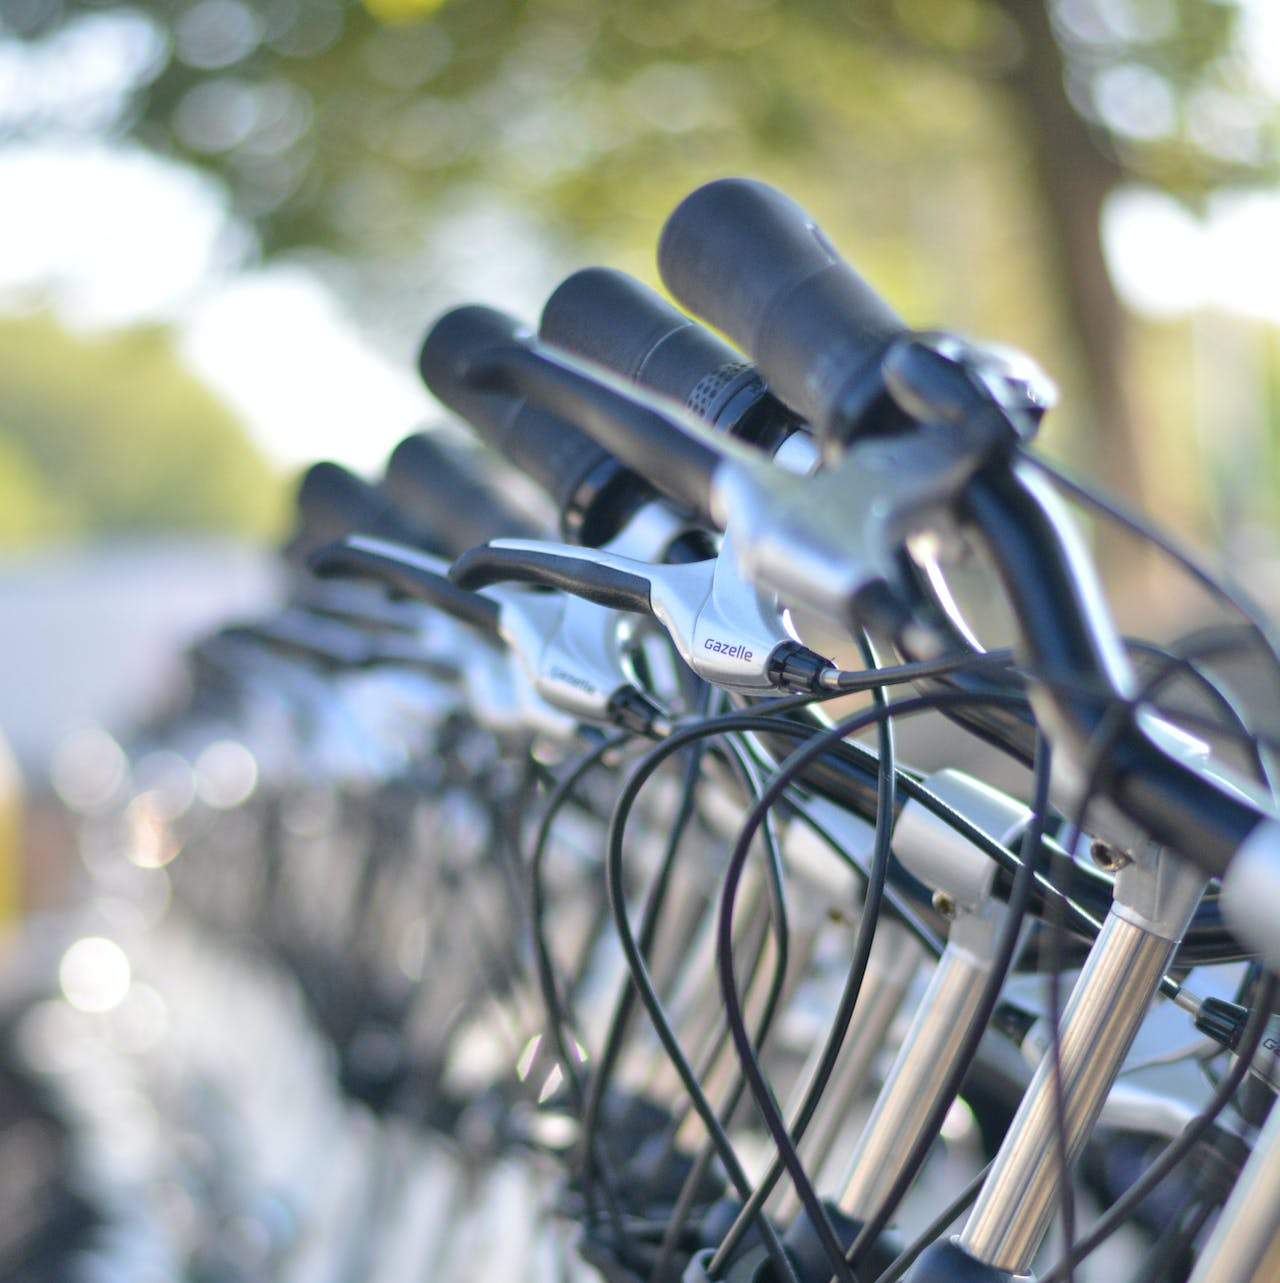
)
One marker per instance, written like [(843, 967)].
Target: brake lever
[(571, 650), (571, 659), (726, 630), (299, 634), (405, 572)]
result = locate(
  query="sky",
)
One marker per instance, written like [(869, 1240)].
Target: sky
[(159, 245)]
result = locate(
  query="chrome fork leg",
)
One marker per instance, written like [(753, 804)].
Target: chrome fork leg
[(1245, 1244), (893, 963), (923, 1064), (1154, 899), (1106, 1007)]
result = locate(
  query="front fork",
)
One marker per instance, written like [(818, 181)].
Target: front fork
[(1245, 1244), (1155, 897)]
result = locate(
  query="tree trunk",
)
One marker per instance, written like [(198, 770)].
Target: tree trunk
[(1075, 176)]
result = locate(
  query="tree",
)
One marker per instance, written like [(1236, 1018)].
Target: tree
[(358, 129), (112, 434)]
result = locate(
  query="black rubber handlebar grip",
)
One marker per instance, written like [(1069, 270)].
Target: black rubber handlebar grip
[(332, 503), (638, 429), (744, 257), (592, 493), (437, 485), (615, 320)]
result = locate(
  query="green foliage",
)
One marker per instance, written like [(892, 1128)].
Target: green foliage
[(960, 151), (113, 434), (342, 124)]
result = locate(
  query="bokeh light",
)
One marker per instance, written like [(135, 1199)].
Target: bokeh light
[(95, 975), (226, 774), (88, 770)]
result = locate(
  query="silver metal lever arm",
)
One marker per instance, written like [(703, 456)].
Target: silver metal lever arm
[(725, 629)]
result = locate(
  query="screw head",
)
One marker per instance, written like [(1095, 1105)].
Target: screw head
[(1107, 858), (944, 904)]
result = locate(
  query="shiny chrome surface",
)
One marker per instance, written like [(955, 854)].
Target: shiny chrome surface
[(895, 958), (725, 1068), (922, 1064), (1106, 1007), (1245, 1244)]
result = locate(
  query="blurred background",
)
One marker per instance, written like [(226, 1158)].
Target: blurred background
[(224, 225)]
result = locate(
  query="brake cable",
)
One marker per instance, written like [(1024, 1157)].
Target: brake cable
[(559, 1017), (786, 772), (936, 1228), (713, 1052), (621, 1017), (643, 982), (872, 903), (796, 701), (1213, 582)]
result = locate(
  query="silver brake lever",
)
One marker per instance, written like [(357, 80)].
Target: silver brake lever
[(571, 652), (728, 631)]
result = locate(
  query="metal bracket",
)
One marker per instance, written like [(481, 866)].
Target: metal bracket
[(944, 859), (1158, 892)]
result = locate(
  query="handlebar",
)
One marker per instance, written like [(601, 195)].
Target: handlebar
[(643, 434), (612, 319), (609, 317), (750, 261), (438, 485), (1069, 638), (593, 493)]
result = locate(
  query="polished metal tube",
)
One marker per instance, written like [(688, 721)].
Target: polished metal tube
[(693, 1005), (895, 958), (1245, 1244), (925, 1059), (723, 1073), (695, 1010), (1107, 1005)]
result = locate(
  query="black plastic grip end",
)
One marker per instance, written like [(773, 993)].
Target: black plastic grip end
[(438, 485), (749, 260), (620, 323), (333, 503), (613, 319), (593, 493)]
